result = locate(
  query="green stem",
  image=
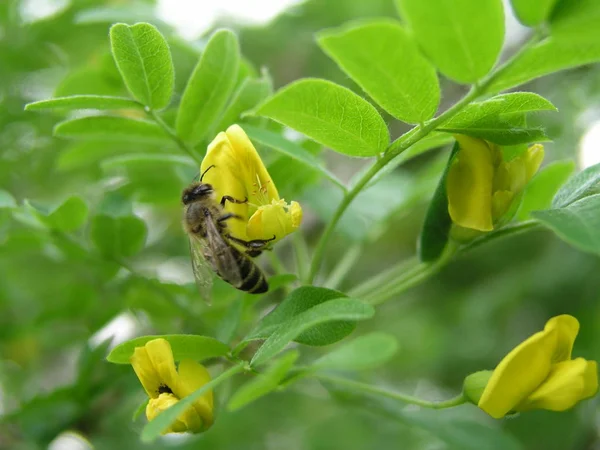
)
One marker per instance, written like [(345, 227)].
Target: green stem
[(300, 254), (401, 144), (501, 233), (167, 129), (383, 278), (345, 265), (370, 389)]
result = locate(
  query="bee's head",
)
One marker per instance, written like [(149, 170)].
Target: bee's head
[(195, 192)]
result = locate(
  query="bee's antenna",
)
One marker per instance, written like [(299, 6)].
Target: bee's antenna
[(204, 173)]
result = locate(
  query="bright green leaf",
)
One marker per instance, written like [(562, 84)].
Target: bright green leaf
[(279, 143), (70, 215), (144, 60), (297, 302), (384, 60), (577, 224), (248, 95), (84, 102), (140, 410), (209, 87), (436, 227), (532, 12), (118, 237), (542, 188), (331, 115), (571, 17), (111, 128), (347, 309), (365, 352), (549, 56), (184, 346), (577, 186), (263, 383), (7, 200), (463, 38)]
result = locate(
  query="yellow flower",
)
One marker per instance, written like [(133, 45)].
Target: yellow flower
[(155, 367), (239, 172), (481, 186), (537, 374)]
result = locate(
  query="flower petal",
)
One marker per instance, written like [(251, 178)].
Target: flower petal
[(469, 185), (225, 178), (519, 373), (567, 328), (161, 355), (567, 384), (193, 376), (275, 220), (533, 159), (187, 421), (145, 371)]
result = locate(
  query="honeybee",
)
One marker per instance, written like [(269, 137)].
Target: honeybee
[(205, 222)]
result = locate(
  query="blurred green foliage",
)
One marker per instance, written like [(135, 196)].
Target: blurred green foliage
[(62, 278)]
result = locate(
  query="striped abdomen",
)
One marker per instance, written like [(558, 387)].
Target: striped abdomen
[(253, 280)]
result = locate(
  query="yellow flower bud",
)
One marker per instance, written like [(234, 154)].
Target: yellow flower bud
[(165, 385), (239, 172), (540, 374), (481, 187)]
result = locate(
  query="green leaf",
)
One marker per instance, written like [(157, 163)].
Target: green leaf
[(297, 302), (139, 410), (363, 353), (542, 188), (209, 87), (570, 18), (549, 56), (155, 427), (282, 145), (249, 94), (7, 200), (577, 186), (144, 61), (501, 119), (532, 13), (263, 383), (331, 311), (84, 102), (577, 223), (436, 227), (387, 64), (463, 38), (118, 237), (184, 346), (329, 114), (111, 128), (70, 215)]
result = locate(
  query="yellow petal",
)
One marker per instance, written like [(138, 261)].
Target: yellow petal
[(192, 376), (161, 356), (469, 185), (277, 219), (144, 369), (187, 421), (225, 176), (567, 328), (501, 201), (519, 373), (568, 383), (533, 159)]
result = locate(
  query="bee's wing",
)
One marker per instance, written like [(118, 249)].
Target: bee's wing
[(203, 271), (222, 254)]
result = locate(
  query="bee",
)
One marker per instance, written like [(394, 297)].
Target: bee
[(205, 222)]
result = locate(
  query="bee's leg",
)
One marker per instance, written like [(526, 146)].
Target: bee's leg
[(224, 217), (232, 200), (253, 247)]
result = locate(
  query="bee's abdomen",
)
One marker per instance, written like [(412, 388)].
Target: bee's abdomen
[(253, 280)]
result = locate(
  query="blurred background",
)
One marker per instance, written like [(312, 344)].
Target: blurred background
[(60, 305)]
